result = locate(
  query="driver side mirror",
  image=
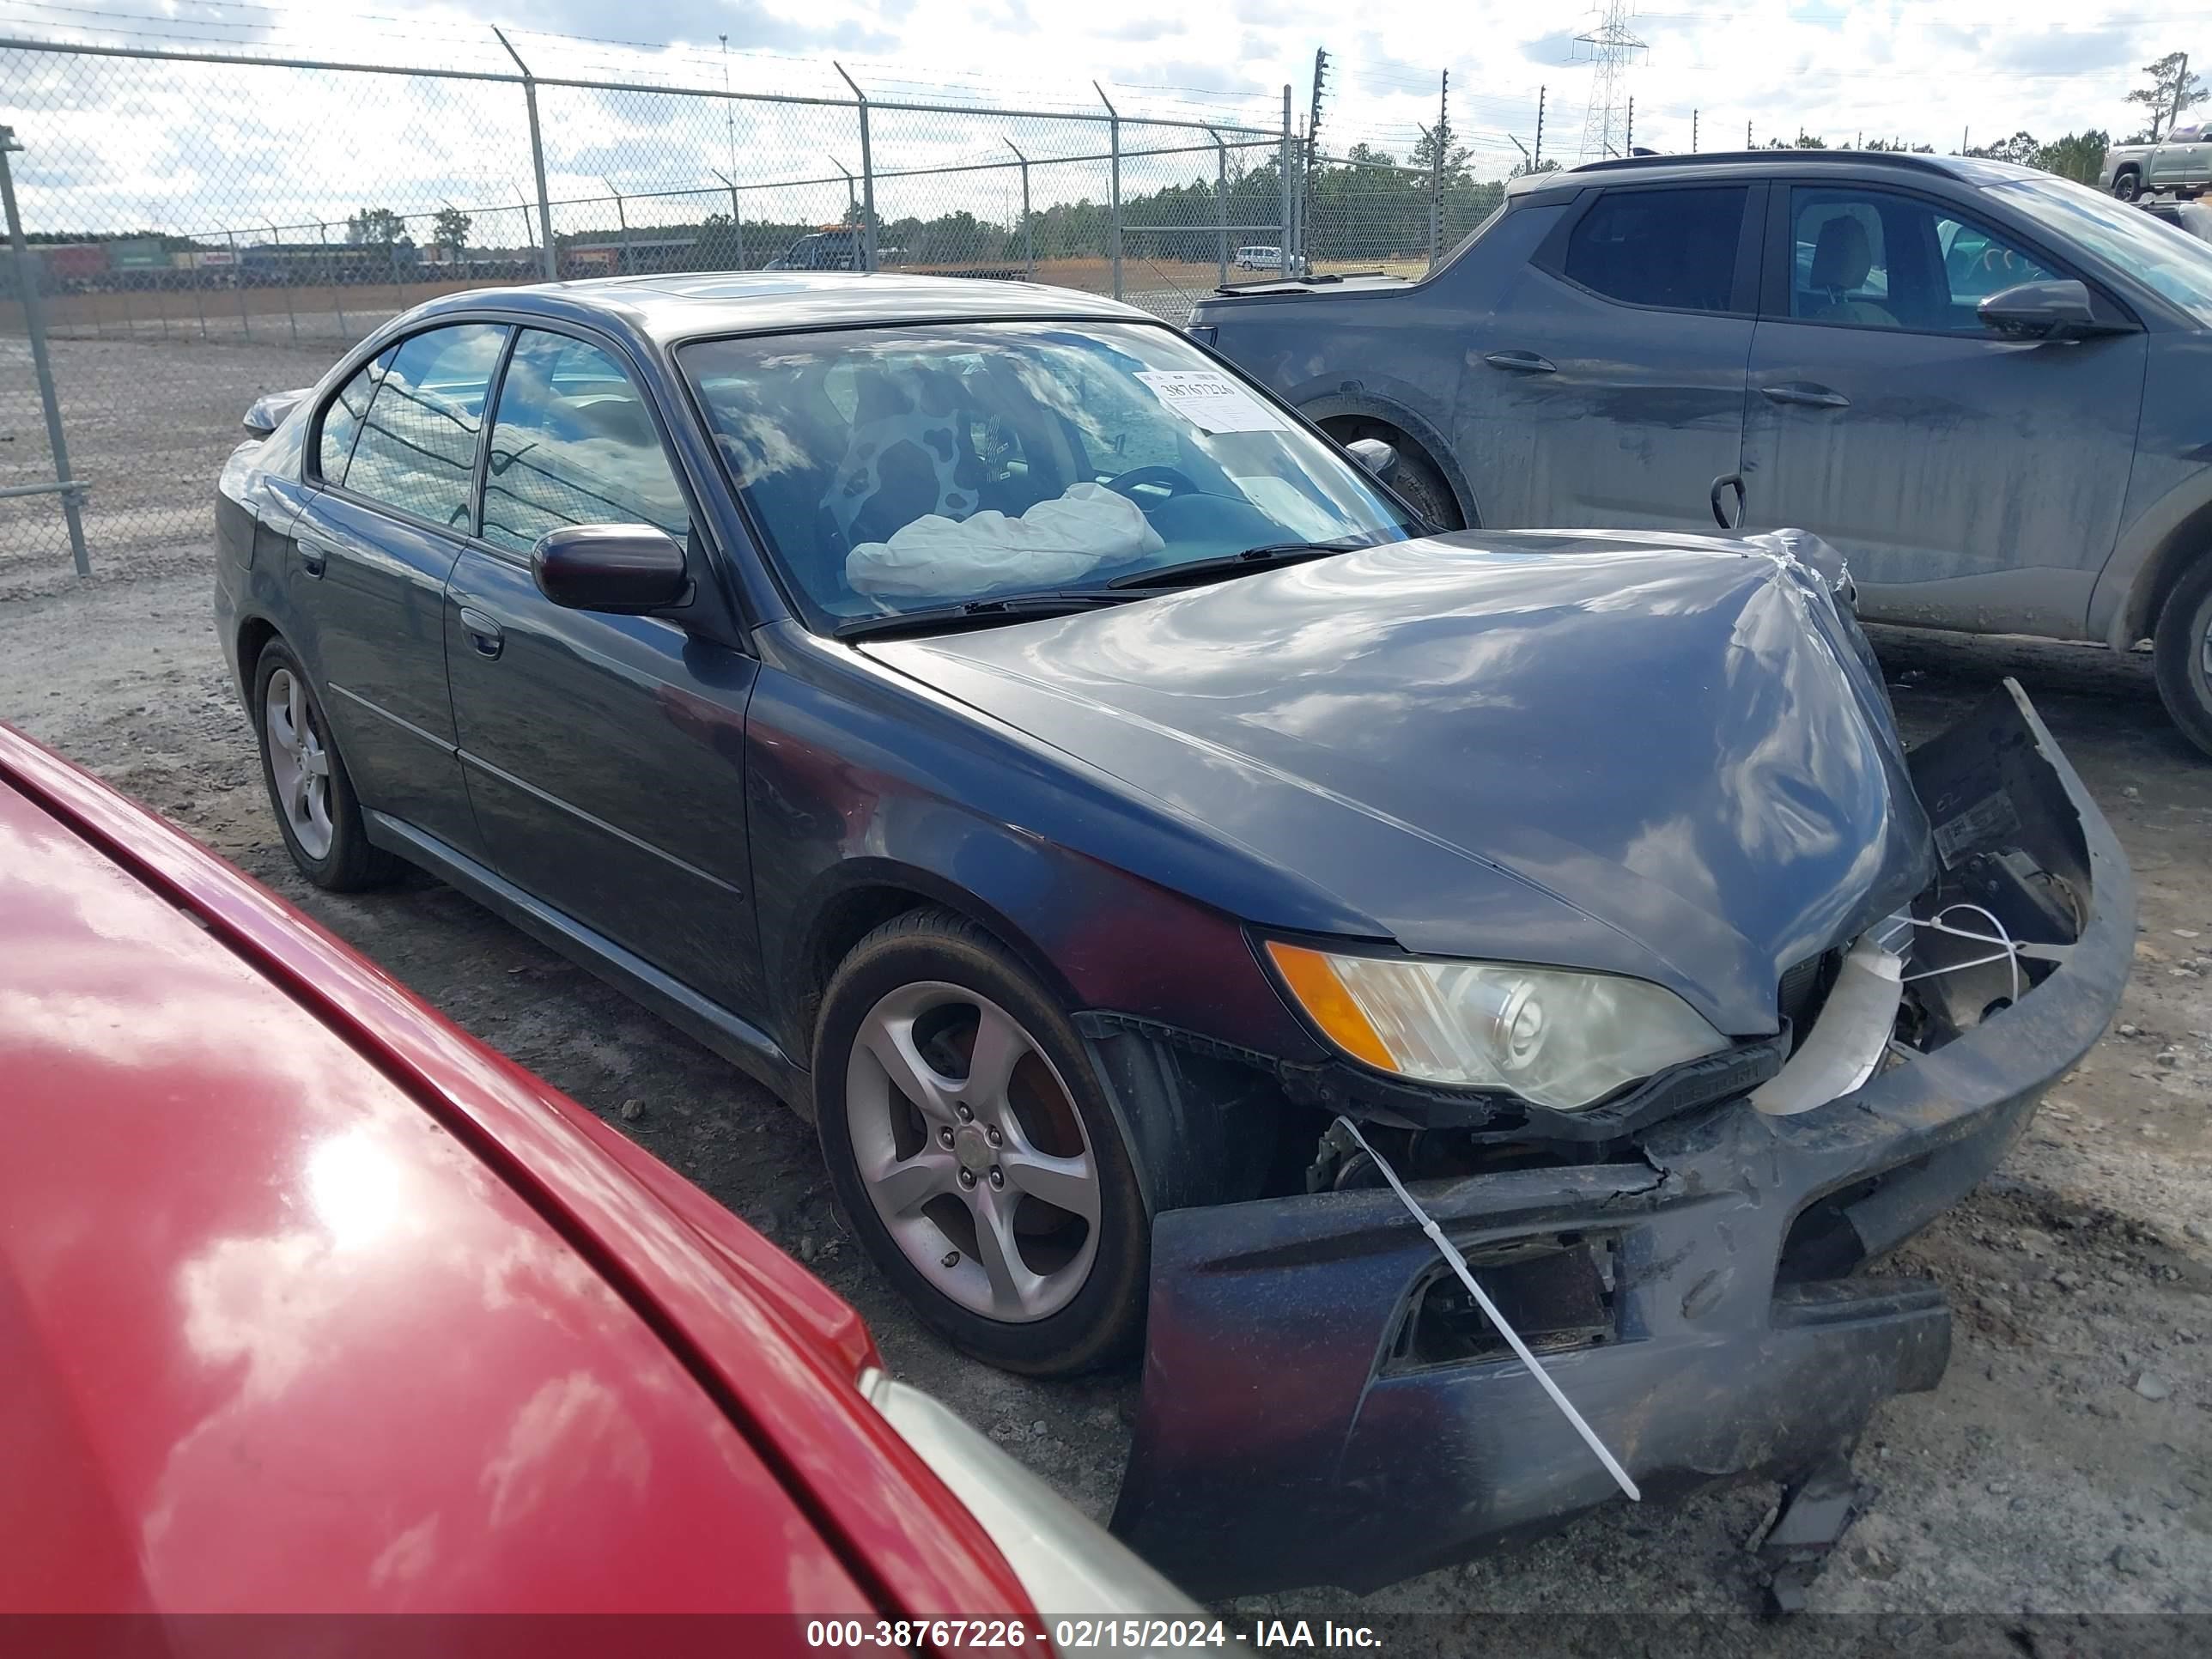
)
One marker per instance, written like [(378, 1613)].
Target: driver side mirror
[(2057, 310), (628, 569), (1379, 458)]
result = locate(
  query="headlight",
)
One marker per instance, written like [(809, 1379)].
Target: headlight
[(1555, 1038)]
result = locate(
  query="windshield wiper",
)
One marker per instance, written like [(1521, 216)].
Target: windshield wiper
[(975, 613), (1252, 558)]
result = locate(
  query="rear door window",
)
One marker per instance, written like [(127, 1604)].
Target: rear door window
[(1676, 249), (417, 449), (342, 420)]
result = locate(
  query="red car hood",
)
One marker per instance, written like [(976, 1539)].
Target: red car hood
[(310, 1302)]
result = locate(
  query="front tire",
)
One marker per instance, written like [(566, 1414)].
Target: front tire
[(2182, 650), (974, 1151), (2128, 186), (309, 788)]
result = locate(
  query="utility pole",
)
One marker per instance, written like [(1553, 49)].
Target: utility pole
[(1693, 132), (1747, 134), (1313, 147), (1630, 148), (1285, 167), (1029, 242), (1963, 134), (1612, 44), (27, 277), (1437, 170), (1536, 164), (2180, 82), (552, 266)]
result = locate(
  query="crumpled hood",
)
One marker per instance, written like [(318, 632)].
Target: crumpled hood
[(1663, 757)]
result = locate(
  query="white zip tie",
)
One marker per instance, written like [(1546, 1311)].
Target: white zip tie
[(1450, 1254)]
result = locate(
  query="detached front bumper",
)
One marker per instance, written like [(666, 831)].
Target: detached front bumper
[(1315, 1411)]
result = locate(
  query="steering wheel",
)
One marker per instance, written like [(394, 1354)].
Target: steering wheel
[(1167, 477)]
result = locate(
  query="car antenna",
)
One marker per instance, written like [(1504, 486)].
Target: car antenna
[(1450, 1253)]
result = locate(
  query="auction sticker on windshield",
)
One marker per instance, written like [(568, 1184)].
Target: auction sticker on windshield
[(1211, 402)]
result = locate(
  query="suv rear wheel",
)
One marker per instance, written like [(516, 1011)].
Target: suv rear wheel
[(1414, 477), (974, 1152), (2182, 648)]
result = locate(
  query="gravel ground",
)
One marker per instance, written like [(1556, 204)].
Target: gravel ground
[(2063, 1468)]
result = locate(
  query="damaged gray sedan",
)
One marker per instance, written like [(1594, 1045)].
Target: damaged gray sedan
[(1094, 799)]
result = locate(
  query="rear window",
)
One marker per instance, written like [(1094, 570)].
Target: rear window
[(1670, 248)]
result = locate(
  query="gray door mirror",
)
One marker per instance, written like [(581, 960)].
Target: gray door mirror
[(2060, 309), (625, 568), (1379, 458)]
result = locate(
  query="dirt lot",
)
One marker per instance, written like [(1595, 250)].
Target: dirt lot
[(2064, 1468)]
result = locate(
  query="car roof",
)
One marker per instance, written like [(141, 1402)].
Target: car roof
[(315, 1303), (685, 306), (1751, 163)]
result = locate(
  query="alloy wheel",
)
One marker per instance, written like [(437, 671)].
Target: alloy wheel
[(972, 1152), (299, 764)]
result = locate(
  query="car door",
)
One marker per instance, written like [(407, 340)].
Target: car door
[(605, 755), (393, 461), (2185, 158), (1945, 462), (1606, 388)]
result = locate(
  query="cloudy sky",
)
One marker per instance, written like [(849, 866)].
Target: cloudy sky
[(1845, 68)]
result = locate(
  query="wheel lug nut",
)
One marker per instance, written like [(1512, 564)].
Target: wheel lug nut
[(995, 1137), (967, 1177), (944, 1137), (951, 1258), (966, 1115), (998, 1177)]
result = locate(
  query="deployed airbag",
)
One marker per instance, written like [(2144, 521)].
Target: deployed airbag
[(1055, 541)]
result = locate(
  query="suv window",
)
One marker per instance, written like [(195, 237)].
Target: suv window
[(1874, 260), (418, 447), (573, 442), (1675, 248)]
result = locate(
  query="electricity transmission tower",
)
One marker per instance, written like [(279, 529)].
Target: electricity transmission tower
[(1612, 46)]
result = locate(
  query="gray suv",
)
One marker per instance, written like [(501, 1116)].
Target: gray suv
[(1991, 389)]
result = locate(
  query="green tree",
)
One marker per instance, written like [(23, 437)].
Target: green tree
[(2173, 88), (378, 227), (1804, 140), (2020, 148), (452, 228), (2079, 156), (1439, 144)]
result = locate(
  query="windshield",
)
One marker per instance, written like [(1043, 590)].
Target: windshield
[(2175, 264), (907, 469)]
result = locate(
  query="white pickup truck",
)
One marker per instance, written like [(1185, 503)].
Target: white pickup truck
[(2182, 164)]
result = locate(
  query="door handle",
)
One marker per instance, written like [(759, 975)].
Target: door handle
[(314, 558), (487, 635), (1523, 362), (1805, 392)]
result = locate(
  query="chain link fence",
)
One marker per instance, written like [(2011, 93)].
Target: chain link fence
[(197, 229)]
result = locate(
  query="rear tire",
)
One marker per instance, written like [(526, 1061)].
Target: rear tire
[(1414, 478), (2182, 654), (309, 788), (1003, 1207), (2127, 185)]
